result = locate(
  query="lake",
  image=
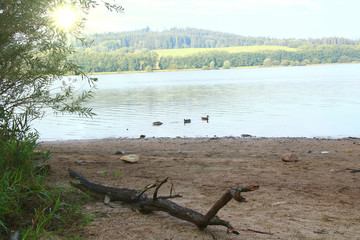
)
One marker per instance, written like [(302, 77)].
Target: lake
[(309, 101)]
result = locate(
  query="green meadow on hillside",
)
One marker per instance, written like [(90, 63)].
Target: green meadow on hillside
[(180, 49), (133, 60), (181, 52)]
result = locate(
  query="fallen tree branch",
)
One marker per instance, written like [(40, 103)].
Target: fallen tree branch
[(144, 204), (158, 187)]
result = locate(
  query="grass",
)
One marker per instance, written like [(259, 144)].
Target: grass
[(190, 51), (27, 204)]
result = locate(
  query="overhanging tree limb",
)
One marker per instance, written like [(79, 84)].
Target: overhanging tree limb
[(35, 52), (144, 204)]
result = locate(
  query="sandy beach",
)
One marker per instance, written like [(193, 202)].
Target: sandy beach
[(317, 197)]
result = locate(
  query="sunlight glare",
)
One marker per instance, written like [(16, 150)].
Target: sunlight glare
[(65, 18)]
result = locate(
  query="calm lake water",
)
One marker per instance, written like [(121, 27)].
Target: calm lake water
[(311, 101)]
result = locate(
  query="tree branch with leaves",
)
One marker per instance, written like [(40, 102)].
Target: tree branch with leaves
[(35, 62)]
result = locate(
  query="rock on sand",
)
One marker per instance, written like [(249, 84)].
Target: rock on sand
[(132, 158), (290, 157)]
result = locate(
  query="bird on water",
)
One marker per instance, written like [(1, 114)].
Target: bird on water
[(187, 120), (205, 118), (157, 123)]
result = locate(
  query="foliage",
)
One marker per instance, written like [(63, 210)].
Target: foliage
[(115, 61), (194, 48), (121, 60), (190, 51), (205, 68), (267, 62), (35, 55), (25, 202), (148, 68), (18, 165), (226, 64), (319, 54)]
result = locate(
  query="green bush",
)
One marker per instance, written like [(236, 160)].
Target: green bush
[(205, 68), (226, 64), (26, 204), (148, 68), (21, 178)]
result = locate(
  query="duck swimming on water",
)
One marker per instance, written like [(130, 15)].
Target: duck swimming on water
[(157, 123), (205, 118)]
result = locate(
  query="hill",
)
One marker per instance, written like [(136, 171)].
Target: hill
[(245, 49), (197, 38), (174, 49)]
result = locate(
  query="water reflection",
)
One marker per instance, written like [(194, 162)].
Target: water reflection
[(297, 101)]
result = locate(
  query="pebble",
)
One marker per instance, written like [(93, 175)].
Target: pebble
[(132, 158), (290, 157), (120, 152)]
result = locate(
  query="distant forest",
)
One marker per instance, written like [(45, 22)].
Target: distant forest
[(136, 51)]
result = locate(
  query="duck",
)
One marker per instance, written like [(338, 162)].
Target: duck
[(187, 120), (157, 123), (205, 118)]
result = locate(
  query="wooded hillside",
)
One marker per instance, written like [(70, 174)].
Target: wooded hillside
[(198, 38), (142, 51)]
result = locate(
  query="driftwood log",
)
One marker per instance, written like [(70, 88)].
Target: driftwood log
[(141, 202)]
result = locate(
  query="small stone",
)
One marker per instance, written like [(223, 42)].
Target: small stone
[(290, 157), (321, 231), (107, 200), (278, 203), (120, 152), (246, 135), (14, 235), (132, 158)]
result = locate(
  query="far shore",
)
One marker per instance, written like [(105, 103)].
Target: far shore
[(199, 69)]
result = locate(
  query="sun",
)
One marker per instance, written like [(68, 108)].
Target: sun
[(65, 18)]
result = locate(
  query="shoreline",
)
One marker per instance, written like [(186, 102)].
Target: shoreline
[(199, 69), (196, 139), (318, 194)]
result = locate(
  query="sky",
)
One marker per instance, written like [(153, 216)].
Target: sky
[(265, 18)]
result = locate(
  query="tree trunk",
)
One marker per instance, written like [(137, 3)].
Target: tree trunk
[(140, 200)]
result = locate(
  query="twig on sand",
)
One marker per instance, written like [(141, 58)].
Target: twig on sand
[(257, 231)]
